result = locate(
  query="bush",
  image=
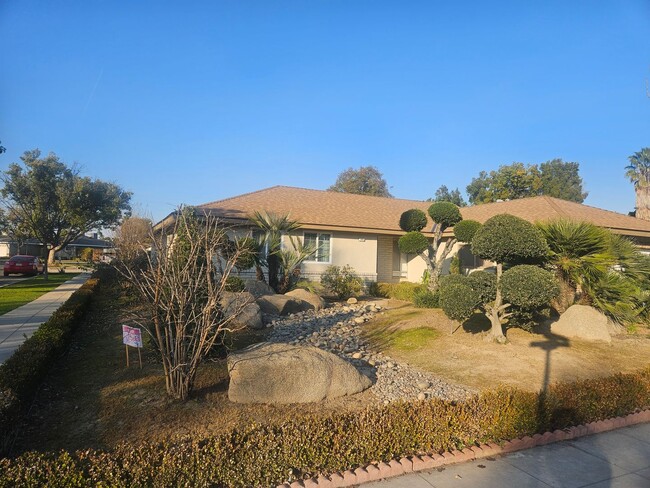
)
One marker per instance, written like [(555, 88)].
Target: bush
[(446, 214), (454, 265), (465, 230), (452, 278), (484, 284), (342, 281), (24, 371), (413, 220), (413, 243), (458, 300), (528, 287), (426, 299), (305, 446), (235, 283), (508, 239), (398, 291)]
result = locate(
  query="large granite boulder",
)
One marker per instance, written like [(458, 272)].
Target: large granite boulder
[(316, 302), (258, 288), (583, 322), (282, 305), (282, 373), (243, 304)]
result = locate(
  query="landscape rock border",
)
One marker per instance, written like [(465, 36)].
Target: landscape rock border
[(397, 467)]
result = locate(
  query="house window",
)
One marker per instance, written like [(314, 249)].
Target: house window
[(258, 236), (322, 244)]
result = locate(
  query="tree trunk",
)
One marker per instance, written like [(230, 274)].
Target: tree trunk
[(495, 318), (273, 268), (50, 255), (643, 201)]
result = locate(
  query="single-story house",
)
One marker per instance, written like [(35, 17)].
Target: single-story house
[(10, 247), (363, 231)]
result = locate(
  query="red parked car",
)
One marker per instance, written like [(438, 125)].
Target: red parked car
[(22, 264)]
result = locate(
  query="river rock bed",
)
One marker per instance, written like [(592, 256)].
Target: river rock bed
[(337, 329)]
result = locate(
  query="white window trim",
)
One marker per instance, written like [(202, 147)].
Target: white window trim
[(318, 234)]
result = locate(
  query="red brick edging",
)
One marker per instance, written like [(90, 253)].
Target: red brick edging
[(396, 467)]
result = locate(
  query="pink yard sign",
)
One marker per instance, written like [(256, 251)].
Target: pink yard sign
[(131, 336)]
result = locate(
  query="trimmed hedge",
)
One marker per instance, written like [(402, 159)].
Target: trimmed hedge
[(413, 220), (24, 371), (272, 454), (399, 291), (446, 214), (413, 243)]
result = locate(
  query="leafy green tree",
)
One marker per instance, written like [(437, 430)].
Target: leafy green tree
[(638, 172), (553, 178), (506, 239), (444, 215), (562, 180), (444, 195), (51, 202), (367, 180)]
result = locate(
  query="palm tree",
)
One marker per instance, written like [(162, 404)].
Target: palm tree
[(638, 171), (272, 227)]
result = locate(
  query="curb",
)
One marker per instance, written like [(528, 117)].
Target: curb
[(397, 467)]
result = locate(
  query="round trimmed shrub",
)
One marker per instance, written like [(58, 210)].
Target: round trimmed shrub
[(453, 278), (413, 220), (505, 238), (528, 286), (458, 301), (445, 213), (413, 243), (484, 284), (466, 229)]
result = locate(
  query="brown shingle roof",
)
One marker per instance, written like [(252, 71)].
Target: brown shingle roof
[(333, 210)]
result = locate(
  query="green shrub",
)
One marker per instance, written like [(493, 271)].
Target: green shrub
[(458, 300), (446, 214), (235, 283), (413, 243), (465, 230), (342, 281), (452, 278), (484, 284), (413, 220), (23, 372), (398, 291), (426, 299), (528, 287), (508, 239), (454, 265), (308, 445)]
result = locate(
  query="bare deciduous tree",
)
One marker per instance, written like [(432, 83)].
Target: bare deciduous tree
[(183, 286), (133, 238)]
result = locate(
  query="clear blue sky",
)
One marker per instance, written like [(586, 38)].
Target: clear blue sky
[(188, 102)]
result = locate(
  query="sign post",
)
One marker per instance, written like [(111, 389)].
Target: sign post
[(132, 336)]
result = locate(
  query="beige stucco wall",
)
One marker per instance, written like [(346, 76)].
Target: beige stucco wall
[(356, 249)]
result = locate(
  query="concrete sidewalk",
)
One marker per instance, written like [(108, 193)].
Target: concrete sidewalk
[(615, 459), (23, 321)]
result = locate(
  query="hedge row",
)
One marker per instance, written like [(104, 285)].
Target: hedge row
[(268, 455), (399, 291), (24, 371)]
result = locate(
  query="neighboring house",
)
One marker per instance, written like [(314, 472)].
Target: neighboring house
[(10, 247), (363, 231)]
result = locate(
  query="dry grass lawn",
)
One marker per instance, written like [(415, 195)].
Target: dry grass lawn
[(466, 357)]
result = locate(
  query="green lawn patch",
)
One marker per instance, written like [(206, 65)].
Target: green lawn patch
[(14, 296), (413, 339)]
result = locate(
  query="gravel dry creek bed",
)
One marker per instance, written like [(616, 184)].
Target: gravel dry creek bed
[(338, 328)]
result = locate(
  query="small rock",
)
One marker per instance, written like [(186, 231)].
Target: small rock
[(423, 385), (352, 300), (421, 396), (356, 355)]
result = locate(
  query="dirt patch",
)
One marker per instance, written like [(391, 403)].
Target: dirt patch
[(529, 360)]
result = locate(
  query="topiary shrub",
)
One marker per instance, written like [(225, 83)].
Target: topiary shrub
[(342, 281), (483, 283), (458, 300), (452, 278), (413, 243), (529, 287), (426, 299), (505, 238), (445, 214), (413, 220), (466, 229)]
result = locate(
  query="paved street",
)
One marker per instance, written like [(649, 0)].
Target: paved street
[(615, 459), (21, 322)]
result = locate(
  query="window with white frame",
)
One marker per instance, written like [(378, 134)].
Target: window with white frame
[(258, 236), (322, 244)]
